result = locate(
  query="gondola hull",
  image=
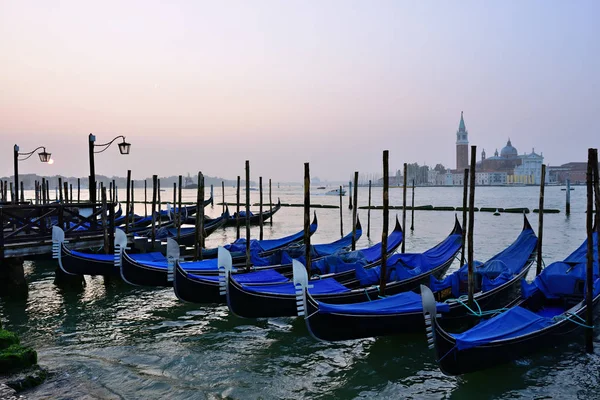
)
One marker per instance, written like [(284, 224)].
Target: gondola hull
[(73, 264)]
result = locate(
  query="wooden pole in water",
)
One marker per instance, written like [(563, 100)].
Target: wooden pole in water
[(179, 208), (350, 194), (568, 205), (111, 195), (153, 209), (538, 270), (128, 202), (104, 224), (22, 193), (471, 222), (48, 191), (237, 210), (597, 192), (386, 217), (260, 210), (174, 198), (66, 184), (71, 192), (2, 190), (247, 214), (145, 197), (354, 210), (132, 204), (270, 202), (212, 195), (307, 217), (341, 213), (223, 194), (369, 213), (78, 190), (464, 216), (404, 206), (160, 205), (412, 208), (60, 189), (589, 280), (199, 218), (43, 191)]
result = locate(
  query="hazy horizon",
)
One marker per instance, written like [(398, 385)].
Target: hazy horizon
[(205, 86)]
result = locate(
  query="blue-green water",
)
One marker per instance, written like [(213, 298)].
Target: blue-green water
[(109, 340)]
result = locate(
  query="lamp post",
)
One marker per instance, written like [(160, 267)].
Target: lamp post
[(44, 157), (123, 149)]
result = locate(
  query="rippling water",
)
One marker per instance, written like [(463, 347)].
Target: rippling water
[(109, 340)]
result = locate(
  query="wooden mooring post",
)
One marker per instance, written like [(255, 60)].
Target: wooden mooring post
[(237, 209), (568, 199), (145, 197), (369, 213), (592, 182), (260, 210), (412, 208), (350, 195), (78, 190), (538, 269), (223, 195), (270, 203), (307, 246), (212, 195), (66, 185), (386, 216), (199, 245), (403, 247), (464, 216), (248, 263), (354, 210), (179, 208), (471, 223), (132, 203), (153, 209), (128, 202), (60, 190), (71, 192), (341, 213), (104, 222)]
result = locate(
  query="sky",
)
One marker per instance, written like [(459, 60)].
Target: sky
[(204, 85)]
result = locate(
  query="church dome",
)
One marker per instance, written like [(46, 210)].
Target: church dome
[(509, 151)]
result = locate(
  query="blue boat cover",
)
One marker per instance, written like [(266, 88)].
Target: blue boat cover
[(512, 323), (266, 276), (563, 277), (96, 257), (496, 271), (409, 265), (323, 286), (152, 257), (406, 302), (267, 244), (243, 214)]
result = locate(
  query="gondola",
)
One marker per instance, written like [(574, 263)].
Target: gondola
[(497, 283), (405, 272), (155, 273), (254, 217), (74, 262), (263, 247), (203, 288), (549, 308), (187, 236)]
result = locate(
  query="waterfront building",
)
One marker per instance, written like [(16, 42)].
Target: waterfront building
[(462, 145)]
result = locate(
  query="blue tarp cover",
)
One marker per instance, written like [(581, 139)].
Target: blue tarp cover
[(563, 277), (496, 271), (323, 286), (266, 276), (267, 244), (406, 302), (515, 322), (407, 265), (95, 257)]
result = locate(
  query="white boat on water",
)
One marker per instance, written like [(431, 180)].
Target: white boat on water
[(335, 192)]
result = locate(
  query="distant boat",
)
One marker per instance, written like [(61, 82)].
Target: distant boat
[(251, 189), (336, 192), (321, 187), (565, 189)]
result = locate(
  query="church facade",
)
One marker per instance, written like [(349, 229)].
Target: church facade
[(506, 167)]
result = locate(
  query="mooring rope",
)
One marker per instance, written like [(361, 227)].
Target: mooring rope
[(479, 313)]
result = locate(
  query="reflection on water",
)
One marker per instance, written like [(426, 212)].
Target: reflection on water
[(107, 340)]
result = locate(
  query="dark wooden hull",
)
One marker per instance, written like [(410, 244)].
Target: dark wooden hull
[(189, 239), (75, 265), (339, 326), (254, 219), (139, 274), (195, 290), (456, 362)]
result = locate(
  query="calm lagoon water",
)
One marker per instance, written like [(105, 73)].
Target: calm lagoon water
[(108, 340)]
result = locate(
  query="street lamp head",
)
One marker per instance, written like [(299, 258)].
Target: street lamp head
[(44, 156), (124, 147)]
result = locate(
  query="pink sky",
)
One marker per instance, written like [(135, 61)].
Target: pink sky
[(199, 85)]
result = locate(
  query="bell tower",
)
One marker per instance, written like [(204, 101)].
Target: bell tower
[(462, 145)]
